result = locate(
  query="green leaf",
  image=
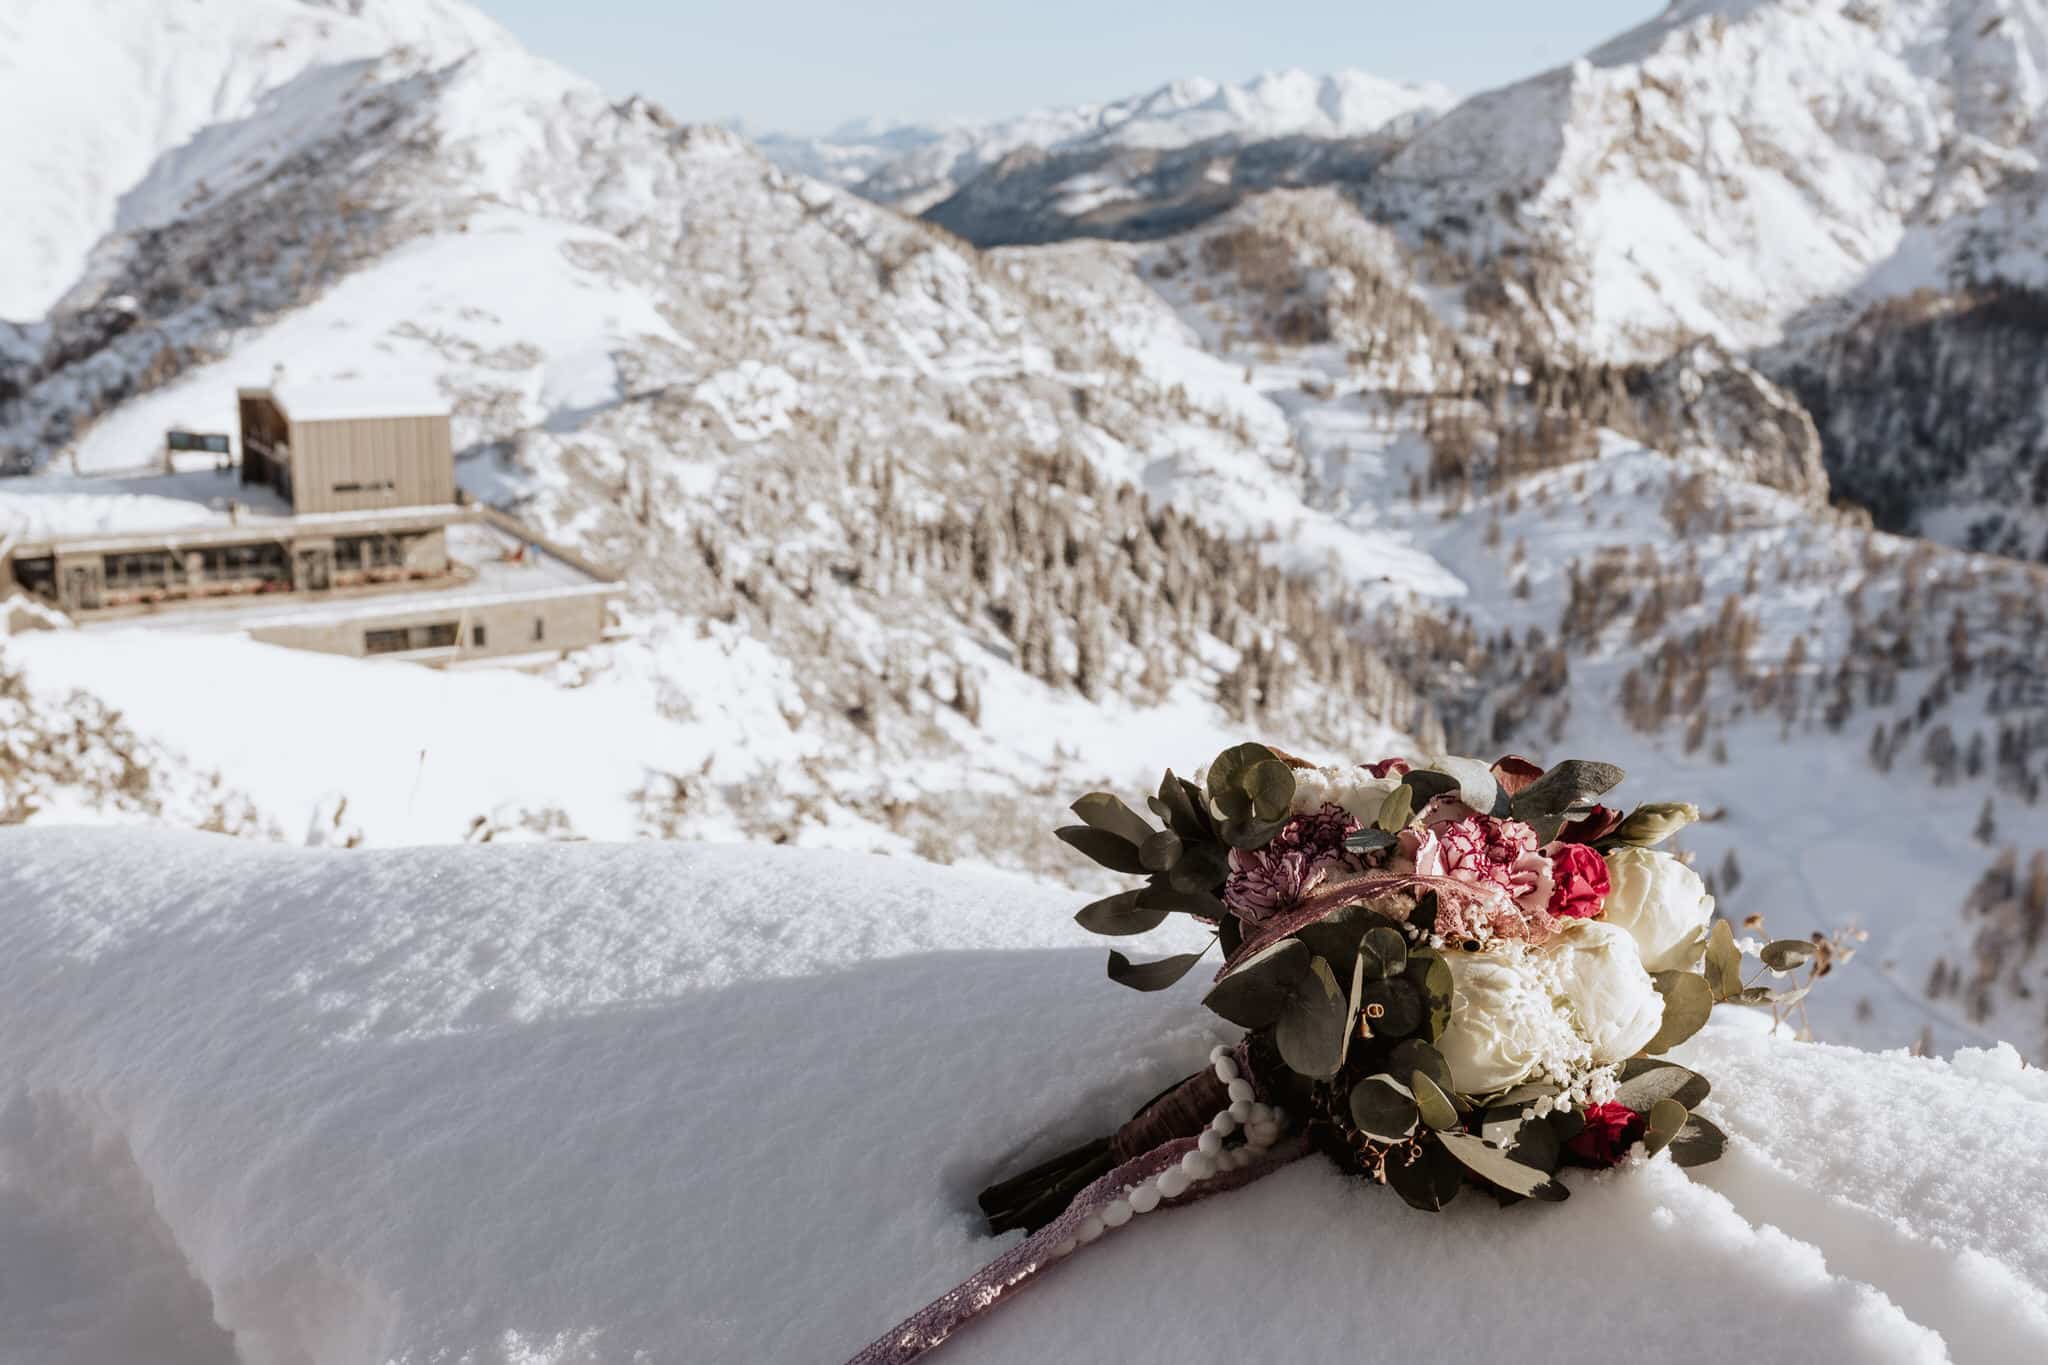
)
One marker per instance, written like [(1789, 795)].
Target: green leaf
[(1426, 1176), (1537, 1146), (1416, 1055), (1270, 785), (1160, 851), (1527, 1091), (1496, 1167), (1202, 869), (1786, 954), (1434, 1105), (1150, 976), (1653, 822), (1687, 1003), (1383, 1108), (1121, 914), (1645, 1080), (1226, 777), (1398, 810), (1574, 782), (1698, 1142), (1310, 1030), (1370, 841), (1174, 901), (1431, 976), (1100, 810), (1393, 1009), (1754, 995), (1666, 1118), (1426, 784), (1116, 854), (1249, 832), (1335, 936), (1177, 808), (1257, 989), (1477, 786), (1385, 952), (1724, 961)]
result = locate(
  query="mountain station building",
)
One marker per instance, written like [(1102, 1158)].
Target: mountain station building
[(375, 552)]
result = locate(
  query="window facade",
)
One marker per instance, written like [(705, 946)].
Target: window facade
[(401, 639)]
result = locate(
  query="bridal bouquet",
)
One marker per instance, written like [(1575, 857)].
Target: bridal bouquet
[(1450, 975)]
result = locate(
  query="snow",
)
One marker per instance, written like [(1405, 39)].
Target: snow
[(342, 401), (579, 1103), (133, 124)]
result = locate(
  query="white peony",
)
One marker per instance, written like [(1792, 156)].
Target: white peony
[(1358, 792), (1662, 903), (1502, 1024), (1616, 1005)]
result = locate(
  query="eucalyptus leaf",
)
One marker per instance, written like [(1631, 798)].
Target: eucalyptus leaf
[(1385, 952), (1310, 1030), (1415, 1055), (1160, 851), (1427, 1177), (1667, 1117), (1754, 995), (1527, 1091), (1698, 1142), (1537, 1146), (1383, 1108), (1150, 976), (1175, 901), (1425, 785), (1174, 806), (1226, 777), (1496, 1167), (1724, 961), (1102, 811), (1477, 786), (1645, 1080), (1654, 822), (1249, 832), (1687, 1003), (1116, 854), (1393, 1009), (1270, 785), (1785, 954), (1397, 811), (1434, 1105), (1120, 914), (1255, 991), (1574, 782), (1202, 869), (1431, 976), (1370, 841)]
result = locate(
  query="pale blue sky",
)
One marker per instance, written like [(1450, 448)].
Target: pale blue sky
[(808, 65)]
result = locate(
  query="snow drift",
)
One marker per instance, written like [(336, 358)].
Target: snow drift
[(671, 1102)]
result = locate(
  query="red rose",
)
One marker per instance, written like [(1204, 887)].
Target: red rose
[(1611, 1129), (1398, 767), (1578, 879)]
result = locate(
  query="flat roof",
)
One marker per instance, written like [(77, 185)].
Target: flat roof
[(258, 528), (354, 400)]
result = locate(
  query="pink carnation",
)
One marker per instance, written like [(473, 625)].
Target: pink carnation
[(1267, 881), (1498, 856)]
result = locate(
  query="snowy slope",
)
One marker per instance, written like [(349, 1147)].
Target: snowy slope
[(581, 1104), (115, 124), (913, 166)]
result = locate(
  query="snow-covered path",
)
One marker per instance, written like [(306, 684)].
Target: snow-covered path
[(686, 1103)]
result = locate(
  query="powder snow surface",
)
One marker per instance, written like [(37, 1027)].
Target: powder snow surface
[(685, 1103)]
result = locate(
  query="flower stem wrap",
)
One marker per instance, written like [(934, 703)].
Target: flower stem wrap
[(1170, 1124)]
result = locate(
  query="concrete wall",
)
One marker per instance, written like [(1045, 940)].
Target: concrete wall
[(370, 464), (507, 627)]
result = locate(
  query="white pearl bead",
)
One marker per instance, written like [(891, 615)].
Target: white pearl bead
[(1240, 1111), (1226, 1070), (1261, 1134), (1090, 1229), (1199, 1165), (1116, 1213), (1262, 1113), (1223, 1124), (1064, 1249), (1173, 1182), (1212, 1143), (1144, 1197), (1279, 1119), (1242, 1090), (1218, 1053)]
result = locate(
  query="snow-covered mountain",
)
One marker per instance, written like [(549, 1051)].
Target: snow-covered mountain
[(913, 166), (925, 539)]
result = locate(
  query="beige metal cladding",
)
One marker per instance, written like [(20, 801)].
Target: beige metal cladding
[(454, 632), (369, 463)]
